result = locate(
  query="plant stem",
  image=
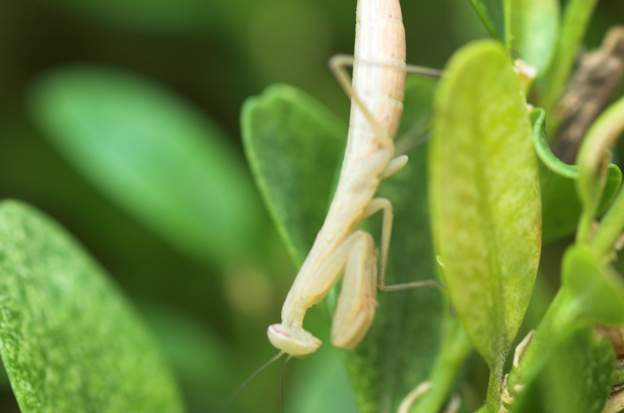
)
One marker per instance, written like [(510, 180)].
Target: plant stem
[(455, 348), (485, 17), (556, 325), (495, 381), (575, 20), (610, 227)]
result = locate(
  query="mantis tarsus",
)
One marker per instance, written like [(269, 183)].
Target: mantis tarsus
[(376, 93)]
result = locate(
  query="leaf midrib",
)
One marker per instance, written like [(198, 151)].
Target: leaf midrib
[(490, 237)]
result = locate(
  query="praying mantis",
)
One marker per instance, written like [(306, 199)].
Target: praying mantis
[(376, 92)]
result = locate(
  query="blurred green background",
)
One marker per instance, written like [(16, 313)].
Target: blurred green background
[(209, 300)]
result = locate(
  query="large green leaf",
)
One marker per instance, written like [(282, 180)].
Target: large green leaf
[(69, 340), (154, 156), (484, 194), (295, 146), (531, 28)]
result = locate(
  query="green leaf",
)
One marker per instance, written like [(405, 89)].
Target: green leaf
[(292, 143), (294, 146), (542, 148), (484, 192), (531, 28), (491, 14), (577, 379), (558, 182), (154, 156), (69, 340)]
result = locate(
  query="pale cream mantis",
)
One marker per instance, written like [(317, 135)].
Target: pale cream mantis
[(379, 72)]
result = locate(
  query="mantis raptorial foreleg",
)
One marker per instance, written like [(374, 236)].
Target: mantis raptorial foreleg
[(356, 304), (357, 301)]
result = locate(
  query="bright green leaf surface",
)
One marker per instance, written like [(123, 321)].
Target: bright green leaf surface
[(295, 147), (484, 192), (69, 340), (531, 30), (153, 155)]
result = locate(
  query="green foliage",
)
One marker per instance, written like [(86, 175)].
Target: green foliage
[(558, 182), (70, 341), (154, 156), (531, 28), (294, 146), (578, 377), (573, 26), (596, 293), (591, 293), (285, 135), (592, 157), (491, 14), (484, 194)]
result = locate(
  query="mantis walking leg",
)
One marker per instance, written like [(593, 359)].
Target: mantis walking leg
[(384, 205), (339, 63)]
